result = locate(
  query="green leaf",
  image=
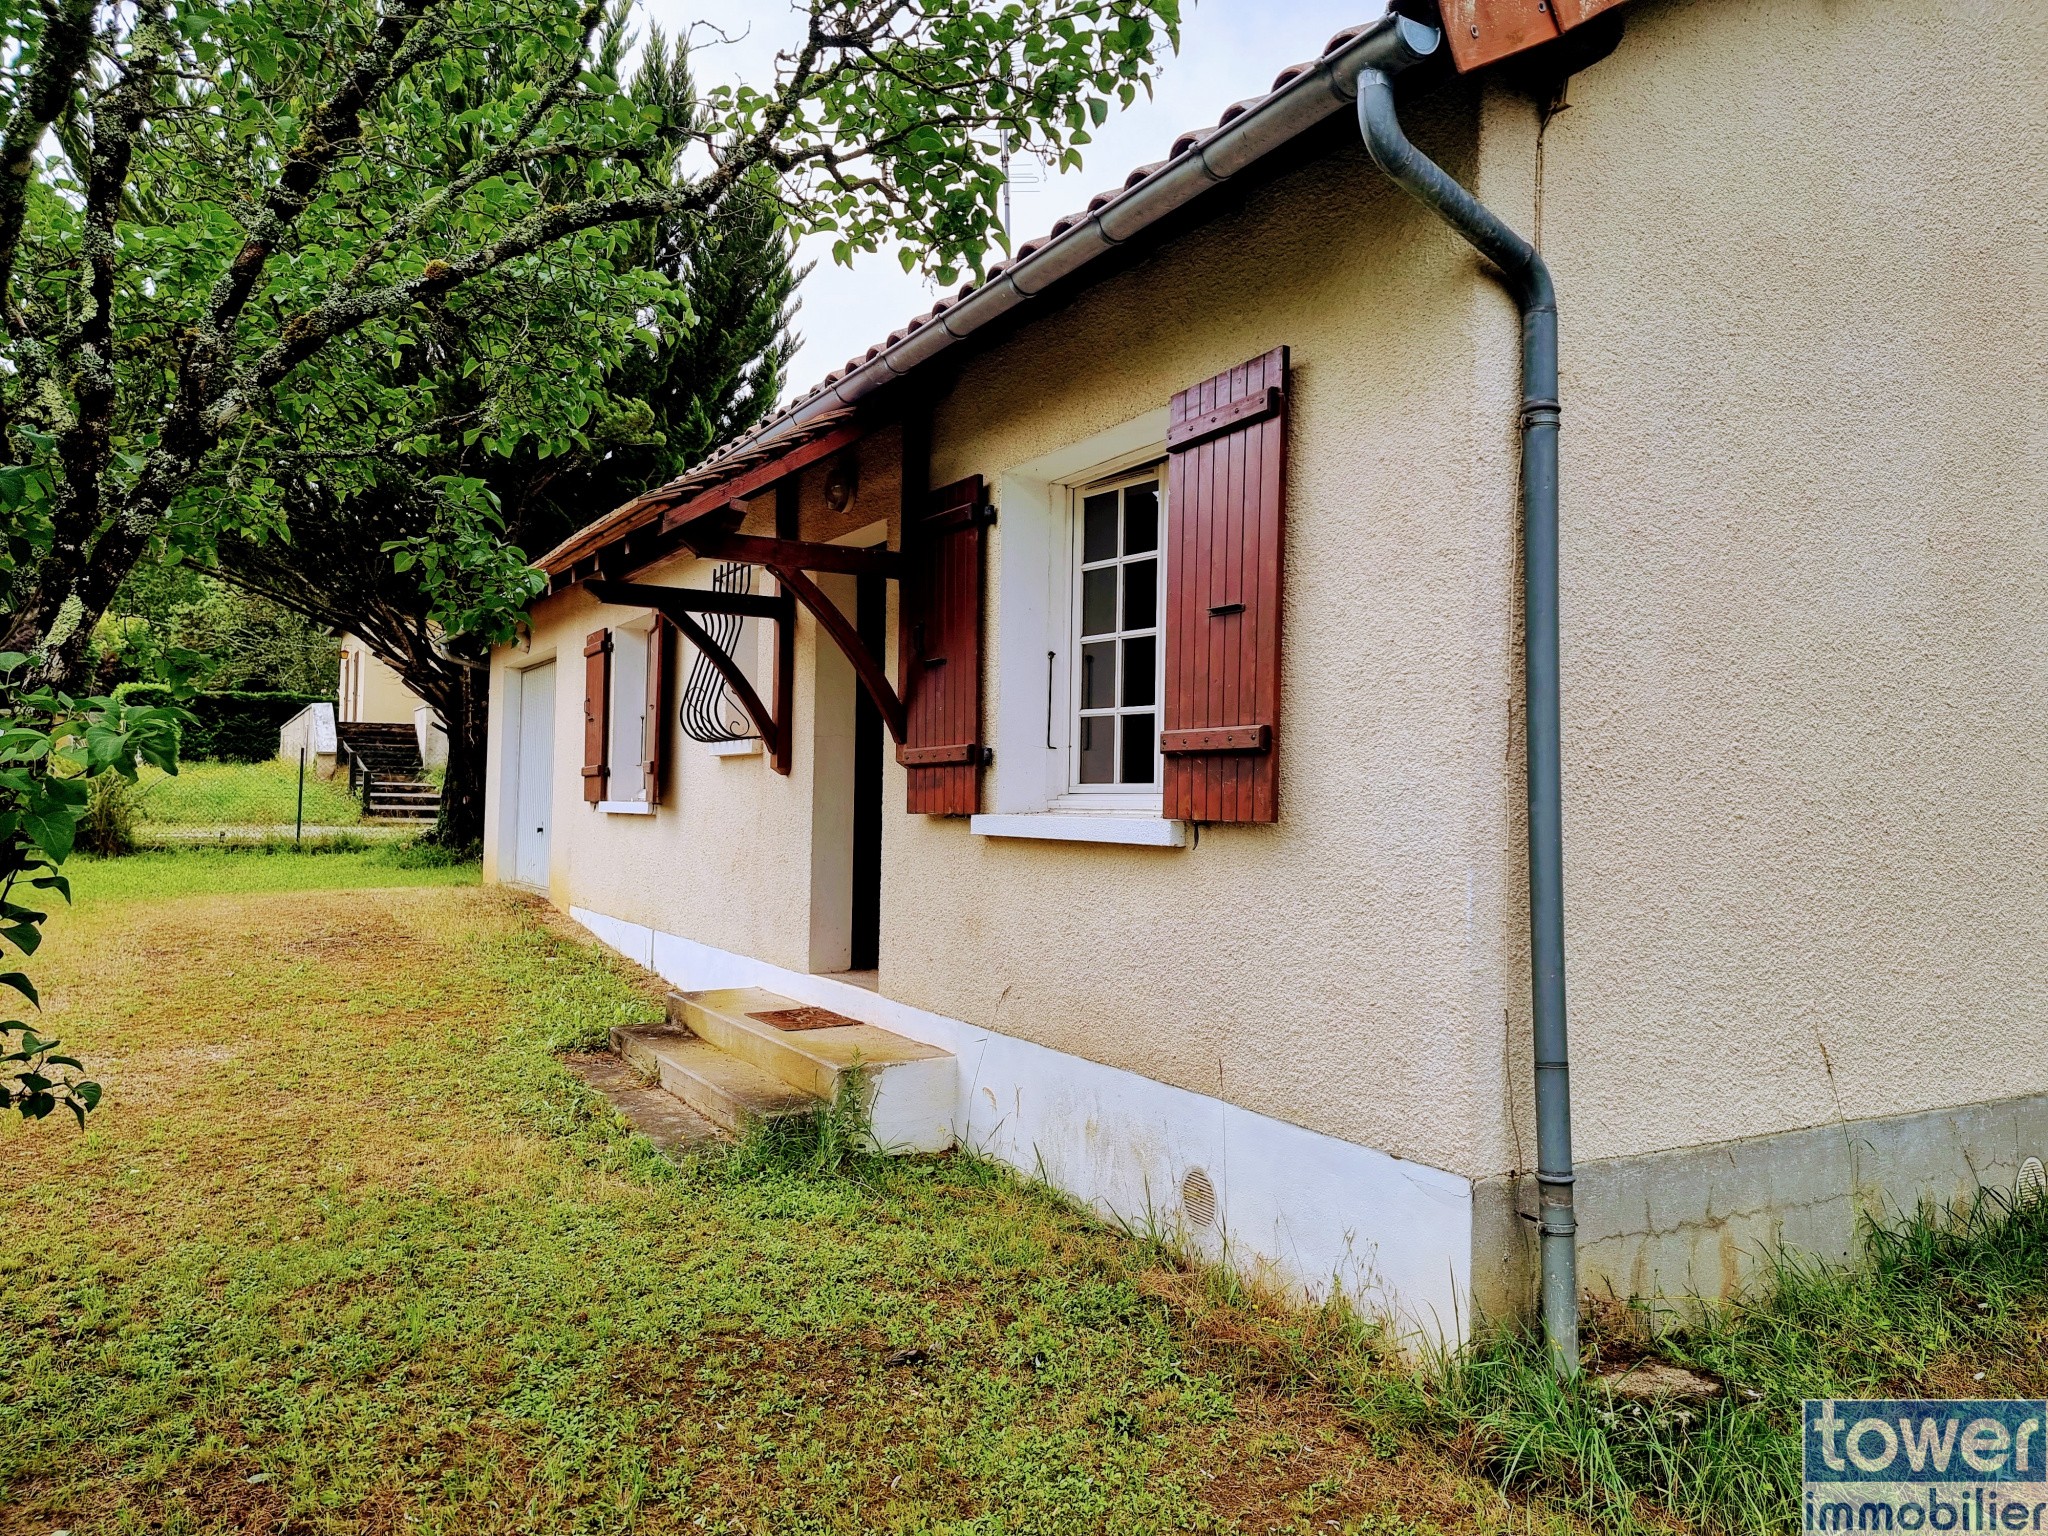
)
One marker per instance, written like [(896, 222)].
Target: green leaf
[(20, 982)]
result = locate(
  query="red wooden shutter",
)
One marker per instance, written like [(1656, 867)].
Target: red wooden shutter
[(939, 652), (1226, 445), (597, 692), (654, 755)]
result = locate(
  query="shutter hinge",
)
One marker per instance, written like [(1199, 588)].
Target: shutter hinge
[(985, 516)]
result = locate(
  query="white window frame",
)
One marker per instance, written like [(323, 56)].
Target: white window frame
[(1137, 798), (634, 774), (1033, 654)]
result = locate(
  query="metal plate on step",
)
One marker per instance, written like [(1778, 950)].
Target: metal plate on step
[(805, 1018)]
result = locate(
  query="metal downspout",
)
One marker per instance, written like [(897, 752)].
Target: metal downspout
[(1528, 280)]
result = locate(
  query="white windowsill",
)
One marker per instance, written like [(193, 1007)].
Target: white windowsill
[(1085, 827), (625, 807), (751, 747)]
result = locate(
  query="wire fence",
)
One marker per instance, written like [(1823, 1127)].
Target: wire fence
[(217, 803)]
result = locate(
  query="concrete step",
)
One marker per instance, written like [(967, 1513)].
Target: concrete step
[(673, 1127), (812, 1059), (731, 1093), (910, 1086)]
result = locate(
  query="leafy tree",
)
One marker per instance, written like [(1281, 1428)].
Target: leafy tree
[(203, 207), (229, 637), (214, 214), (51, 748), (420, 553)]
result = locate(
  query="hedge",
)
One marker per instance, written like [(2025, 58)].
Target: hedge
[(232, 726)]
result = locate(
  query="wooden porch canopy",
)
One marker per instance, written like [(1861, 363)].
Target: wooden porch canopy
[(648, 528), (699, 514)]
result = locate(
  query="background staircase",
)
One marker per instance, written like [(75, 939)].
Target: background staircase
[(742, 1055), (384, 769)]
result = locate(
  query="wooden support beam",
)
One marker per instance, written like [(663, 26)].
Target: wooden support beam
[(867, 667), (677, 604), (841, 558), (669, 601), (774, 731), (788, 517)]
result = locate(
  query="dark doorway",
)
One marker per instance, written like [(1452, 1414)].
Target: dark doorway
[(870, 608)]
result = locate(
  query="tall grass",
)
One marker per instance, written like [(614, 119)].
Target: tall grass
[(1945, 1303), (829, 1140)]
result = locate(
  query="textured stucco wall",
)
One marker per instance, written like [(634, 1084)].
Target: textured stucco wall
[(1341, 969), (1804, 294)]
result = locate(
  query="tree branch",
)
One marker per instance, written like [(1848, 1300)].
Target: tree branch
[(84, 446), (401, 41), (506, 157), (60, 59)]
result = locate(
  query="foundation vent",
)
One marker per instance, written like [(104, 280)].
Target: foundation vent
[(1198, 1198), (2031, 1187)]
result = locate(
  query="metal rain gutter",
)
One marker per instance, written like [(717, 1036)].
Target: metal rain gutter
[(1391, 45), (1527, 278)]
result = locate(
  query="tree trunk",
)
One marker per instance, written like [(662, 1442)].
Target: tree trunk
[(465, 711)]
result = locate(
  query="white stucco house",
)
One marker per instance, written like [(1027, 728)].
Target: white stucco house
[(1117, 687)]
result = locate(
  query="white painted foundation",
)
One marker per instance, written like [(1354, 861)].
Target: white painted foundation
[(1296, 1208)]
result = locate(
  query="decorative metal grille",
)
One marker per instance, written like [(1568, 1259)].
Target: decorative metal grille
[(709, 711)]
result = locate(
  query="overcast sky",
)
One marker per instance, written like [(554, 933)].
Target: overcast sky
[(1229, 49)]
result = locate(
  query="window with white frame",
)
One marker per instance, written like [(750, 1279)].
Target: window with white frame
[(1118, 655), (628, 744)]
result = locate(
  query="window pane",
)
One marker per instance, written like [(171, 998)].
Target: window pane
[(1098, 601), (1098, 675), (1141, 594), (1139, 738), (1141, 519), (1098, 745), (1098, 528), (1141, 674)]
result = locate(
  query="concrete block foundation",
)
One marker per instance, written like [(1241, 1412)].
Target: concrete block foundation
[(1697, 1222)]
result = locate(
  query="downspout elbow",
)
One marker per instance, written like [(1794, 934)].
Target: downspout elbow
[(1518, 262)]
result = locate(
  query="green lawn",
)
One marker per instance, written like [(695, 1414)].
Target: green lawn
[(242, 795), (348, 1248), (168, 873)]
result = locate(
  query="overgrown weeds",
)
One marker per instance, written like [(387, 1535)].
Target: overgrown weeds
[(426, 853), (106, 828), (1941, 1304), (822, 1144)]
